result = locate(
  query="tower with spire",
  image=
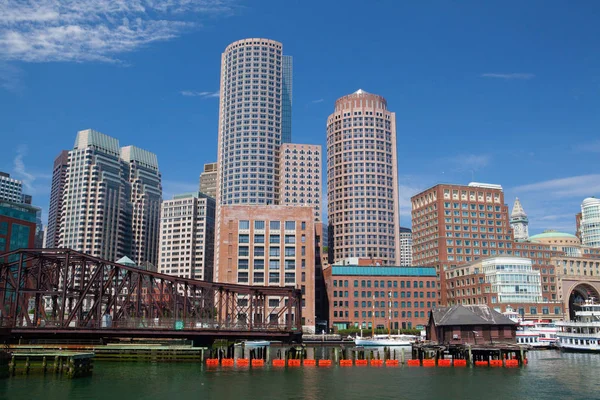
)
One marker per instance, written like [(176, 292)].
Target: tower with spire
[(519, 222)]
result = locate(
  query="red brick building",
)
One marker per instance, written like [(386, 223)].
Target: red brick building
[(367, 296)]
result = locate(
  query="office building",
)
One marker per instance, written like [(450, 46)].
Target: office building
[(286, 100), (362, 179), (17, 226), (405, 247), (367, 296), (208, 180), (519, 222), (59, 176), (300, 176), (590, 222), (106, 188), (10, 189), (187, 236), (270, 246)]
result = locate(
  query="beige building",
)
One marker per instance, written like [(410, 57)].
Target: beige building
[(187, 228), (208, 180), (362, 179), (270, 246), (300, 176)]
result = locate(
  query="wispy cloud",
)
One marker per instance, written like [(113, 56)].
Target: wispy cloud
[(318, 101), (593, 147), (518, 75), (10, 77), (575, 186), (470, 162), (94, 30), (31, 184), (191, 93)]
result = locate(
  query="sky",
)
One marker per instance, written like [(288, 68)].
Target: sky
[(504, 92)]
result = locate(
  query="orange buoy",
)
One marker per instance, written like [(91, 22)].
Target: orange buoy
[(324, 363), (512, 363), (278, 363), (495, 363), (444, 363), (345, 363), (460, 363), (212, 362), (429, 363), (376, 363), (257, 362), (293, 363), (414, 363), (227, 362), (361, 363), (242, 362), (481, 363), (309, 363), (391, 363)]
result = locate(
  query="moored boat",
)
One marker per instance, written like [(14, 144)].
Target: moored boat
[(583, 334), (385, 340)]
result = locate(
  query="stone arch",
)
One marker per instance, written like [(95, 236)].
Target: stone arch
[(578, 293)]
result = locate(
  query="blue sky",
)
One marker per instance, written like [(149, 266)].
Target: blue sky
[(503, 92)]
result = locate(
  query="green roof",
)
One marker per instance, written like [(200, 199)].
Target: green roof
[(552, 234), (381, 271)]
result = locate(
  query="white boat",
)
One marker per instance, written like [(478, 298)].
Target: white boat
[(546, 332), (254, 343), (385, 340), (583, 334)]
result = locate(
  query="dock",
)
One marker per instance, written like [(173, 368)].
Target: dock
[(66, 363), (497, 354)]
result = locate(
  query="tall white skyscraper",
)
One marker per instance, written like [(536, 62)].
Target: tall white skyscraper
[(187, 235), (405, 246), (103, 186), (590, 222)]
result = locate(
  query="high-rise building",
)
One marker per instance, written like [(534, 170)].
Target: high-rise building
[(141, 169), (250, 122), (106, 188), (208, 180), (187, 229), (300, 176), (590, 222), (405, 247), (10, 189), (519, 222), (362, 179), (286, 101), (17, 226), (59, 176)]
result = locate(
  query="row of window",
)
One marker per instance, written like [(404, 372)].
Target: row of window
[(381, 283), (382, 314)]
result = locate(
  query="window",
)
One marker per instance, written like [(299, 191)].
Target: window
[(290, 239), (290, 225), (259, 225), (533, 310), (290, 265), (303, 225), (242, 277), (274, 251), (258, 264), (244, 224), (259, 277), (242, 264), (243, 251), (274, 265), (290, 252), (259, 251), (274, 239), (274, 225), (244, 238), (259, 238), (273, 277)]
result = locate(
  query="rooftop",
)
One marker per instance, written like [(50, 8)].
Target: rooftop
[(552, 234), (469, 315), (356, 270)]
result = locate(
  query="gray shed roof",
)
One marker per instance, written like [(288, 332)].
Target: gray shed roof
[(469, 315)]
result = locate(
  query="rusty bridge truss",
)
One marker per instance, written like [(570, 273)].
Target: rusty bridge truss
[(47, 292)]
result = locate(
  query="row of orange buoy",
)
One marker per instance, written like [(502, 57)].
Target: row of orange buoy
[(244, 362)]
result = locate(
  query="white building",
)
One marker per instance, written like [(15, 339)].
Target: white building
[(405, 247), (187, 227), (208, 180), (300, 176), (512, 279), (590, 222), (10, 189)]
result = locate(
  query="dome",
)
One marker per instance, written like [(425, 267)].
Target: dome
[(553, 235)]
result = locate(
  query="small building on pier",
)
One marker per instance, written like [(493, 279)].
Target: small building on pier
[(469, 324)]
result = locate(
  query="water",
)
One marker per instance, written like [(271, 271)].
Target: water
[(549, 375)]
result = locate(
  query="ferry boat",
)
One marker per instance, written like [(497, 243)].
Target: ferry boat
[(385, 340), (539, 334), (251, 344), (583, 334)]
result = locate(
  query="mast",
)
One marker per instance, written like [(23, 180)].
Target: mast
[(373, 319)]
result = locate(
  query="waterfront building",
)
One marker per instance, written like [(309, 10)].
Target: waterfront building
[(366, 296), (106, 187), (405, 246), (270, 246), (362, 179), (300, 176), (590, 222), (11, 189), (187, 228), (470, 324), (519, 222), (59, 176), (17, 226), (208, 180)]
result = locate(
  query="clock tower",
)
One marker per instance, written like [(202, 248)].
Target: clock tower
[(519, 222)]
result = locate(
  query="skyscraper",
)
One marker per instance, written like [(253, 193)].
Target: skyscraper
[(208, 180), (590, 222), (286, 101), (405, 247), (187, 236), (300, 176), (362, 179), (11, 189), (106, 188), (250, 122), (59, 176), (519, 222)]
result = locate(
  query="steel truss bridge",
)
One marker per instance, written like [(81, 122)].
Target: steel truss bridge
[(65, 294)]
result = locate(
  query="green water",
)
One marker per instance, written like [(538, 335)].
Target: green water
[(549, 375)]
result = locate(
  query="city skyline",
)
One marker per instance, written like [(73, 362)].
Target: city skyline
[(508, 100)]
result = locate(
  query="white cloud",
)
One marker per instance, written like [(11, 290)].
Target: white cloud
[(470, 162), (10, 77), (31, 184), (94, 30), (191, 93), (509, 76), (318, 101), (575, 186)]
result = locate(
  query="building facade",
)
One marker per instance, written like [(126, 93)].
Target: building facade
[(187, 236), (59, 176), (590, 222), (17, 226), (270, 246), (208, 180), (362, 179), (376, 296), (405, 247), (300, 176), (10, 189), (286, 100), (519, 222), (101, 191)]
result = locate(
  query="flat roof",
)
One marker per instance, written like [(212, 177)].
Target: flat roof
[(381, 271)]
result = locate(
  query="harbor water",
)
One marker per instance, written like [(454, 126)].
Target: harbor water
[(549, 375)]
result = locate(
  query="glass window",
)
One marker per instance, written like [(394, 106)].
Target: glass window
[(243, 251), (258, 264), (274, 251), (259, 238), (290, 239), (274, 239), (275, 225), (290, 252), (243, 264), (244, 238), (243, 224), (259, 224), (274, 264), (290, 225), (259, 251)]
